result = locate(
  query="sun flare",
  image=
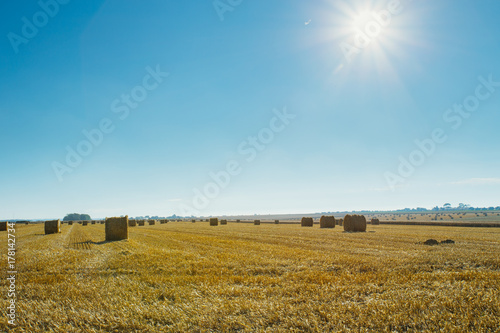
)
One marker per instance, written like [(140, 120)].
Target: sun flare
[(359, 21), (369, 35)]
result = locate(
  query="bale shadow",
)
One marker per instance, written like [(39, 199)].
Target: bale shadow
[(106, 242), (101, 242)]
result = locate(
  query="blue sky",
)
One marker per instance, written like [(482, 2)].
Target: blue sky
[(349, 122)]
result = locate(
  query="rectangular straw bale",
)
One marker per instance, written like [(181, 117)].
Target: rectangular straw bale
[(3, 226), (52, 227), (360, 223), (132, 223), (327, 222), (214, 222), (348, 223), (116, 228), (307, 222), (256, 222), (354, 223)]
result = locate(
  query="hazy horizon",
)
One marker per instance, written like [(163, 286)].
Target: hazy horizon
[(272, 215), (161, 107)]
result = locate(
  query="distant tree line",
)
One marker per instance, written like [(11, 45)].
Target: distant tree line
[(448, 206), (462, 206), (77, 217)]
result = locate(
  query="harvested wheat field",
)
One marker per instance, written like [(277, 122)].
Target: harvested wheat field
[(185, 277)]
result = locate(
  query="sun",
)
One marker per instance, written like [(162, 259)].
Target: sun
[(371, 33), (360, 20), (366, 37)]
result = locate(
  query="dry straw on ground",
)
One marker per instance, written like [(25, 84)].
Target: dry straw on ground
[(187, 278), (327, 222), (214, 222), (354, 223), (116, 228), (307, 222), (3, 226), (52, 227), (256, 222), (132, 223)]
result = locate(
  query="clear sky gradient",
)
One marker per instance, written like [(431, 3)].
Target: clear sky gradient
[(349, 123)]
